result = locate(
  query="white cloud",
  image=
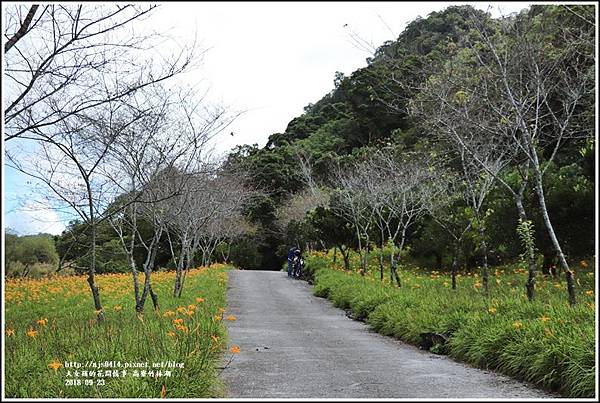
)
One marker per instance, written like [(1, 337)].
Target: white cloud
[(34, 218)]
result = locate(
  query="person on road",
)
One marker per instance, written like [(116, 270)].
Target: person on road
[(297, 264), (291, 254)]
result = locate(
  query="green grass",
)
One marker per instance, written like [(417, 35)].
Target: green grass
[(73, 334), (546, 342)]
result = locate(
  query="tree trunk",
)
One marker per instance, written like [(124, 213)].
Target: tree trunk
[(561, 257), (148, 265), (454, 268), (485, 273), (381, 258), (154, 298), (179, 268), (92, 271), (346, 256)]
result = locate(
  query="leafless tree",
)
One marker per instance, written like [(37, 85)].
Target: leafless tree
[(62, 60), (353, 204)]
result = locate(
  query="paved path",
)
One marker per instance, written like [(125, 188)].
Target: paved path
[(295, 345)]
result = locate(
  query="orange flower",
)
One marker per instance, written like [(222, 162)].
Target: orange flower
[(183, 328), (235, 349), (118, 308), (544, 318), (199, 299), (190, 312), (221, 310), (181, 309), (477, 285), (10, 332), (492, 310), (55, 365), (589, 292), (31, 332), (217, 318), (42, 322), (178, 321), (231, 317), (168, 314), (171, 334), (191, 306), (518, 324)]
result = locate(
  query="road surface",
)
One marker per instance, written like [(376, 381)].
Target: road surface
[(295, 345)]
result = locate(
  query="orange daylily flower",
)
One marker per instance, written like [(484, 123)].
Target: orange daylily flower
[(171, 334), (168, 314), (235, 349), (55, 365), (199, 299), (178, 321), (31, 332), (231, 317), (545, 318), (10, 332), (217, 318)]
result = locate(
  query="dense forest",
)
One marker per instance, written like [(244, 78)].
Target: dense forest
[(466, 141)]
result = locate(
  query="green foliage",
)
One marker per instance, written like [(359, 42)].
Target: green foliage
[(29, 250), (526, 234)]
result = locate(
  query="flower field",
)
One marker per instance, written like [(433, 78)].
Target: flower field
[(545, 342), (54, 346)]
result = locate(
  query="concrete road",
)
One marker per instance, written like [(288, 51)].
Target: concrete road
[(295, 345)]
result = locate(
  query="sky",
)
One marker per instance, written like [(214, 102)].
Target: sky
[(266, 59)]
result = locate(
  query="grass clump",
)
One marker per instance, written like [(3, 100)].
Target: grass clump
[(546, 342)]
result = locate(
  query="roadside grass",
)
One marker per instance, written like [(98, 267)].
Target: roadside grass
[(545, 342), (52, 321)]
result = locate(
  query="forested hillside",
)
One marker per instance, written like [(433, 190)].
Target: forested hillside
[(456, 91)]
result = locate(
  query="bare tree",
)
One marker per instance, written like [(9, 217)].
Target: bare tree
[(353, 205), (62, 60)]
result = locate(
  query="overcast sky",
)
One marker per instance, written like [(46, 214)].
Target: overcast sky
[(268, 59)]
